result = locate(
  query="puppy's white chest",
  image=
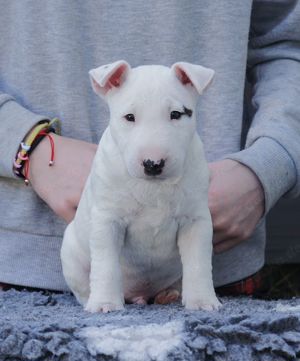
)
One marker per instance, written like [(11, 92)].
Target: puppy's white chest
[(150, 257), (154, 217), (152, 227)]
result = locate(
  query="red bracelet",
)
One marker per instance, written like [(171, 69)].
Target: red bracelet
[(51, 162)]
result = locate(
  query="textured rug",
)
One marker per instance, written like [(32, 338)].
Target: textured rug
[(39, 326)]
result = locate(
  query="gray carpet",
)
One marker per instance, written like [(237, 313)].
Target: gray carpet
[(37, 326)]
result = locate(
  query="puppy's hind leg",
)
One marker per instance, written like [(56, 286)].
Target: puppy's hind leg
[(75, 265)]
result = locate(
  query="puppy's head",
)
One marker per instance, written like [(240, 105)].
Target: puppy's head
[(152, 112)]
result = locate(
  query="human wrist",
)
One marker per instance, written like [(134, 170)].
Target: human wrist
[(31, 141), (41, 150), (272, 165)]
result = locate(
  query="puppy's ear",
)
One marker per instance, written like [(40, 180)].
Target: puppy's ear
[(108, 76), (193, 75)]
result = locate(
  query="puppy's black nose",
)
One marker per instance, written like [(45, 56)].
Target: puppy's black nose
[(153, 168)]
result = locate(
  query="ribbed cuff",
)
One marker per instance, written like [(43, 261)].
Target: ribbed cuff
[(16, 122), (272, 165), (31, 260)]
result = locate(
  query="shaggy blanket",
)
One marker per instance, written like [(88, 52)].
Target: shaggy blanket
[(49, 326)]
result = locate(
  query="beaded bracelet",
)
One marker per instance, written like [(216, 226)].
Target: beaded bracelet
[(41, 130)]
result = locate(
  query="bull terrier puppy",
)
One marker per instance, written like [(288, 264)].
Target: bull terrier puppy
[(143, 222)]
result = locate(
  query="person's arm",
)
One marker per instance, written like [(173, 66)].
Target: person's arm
[(273, 141), (15, 122), (61, 185), (270, 161)]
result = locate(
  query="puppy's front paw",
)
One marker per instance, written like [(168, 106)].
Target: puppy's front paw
[(206, 304), (104, 307)]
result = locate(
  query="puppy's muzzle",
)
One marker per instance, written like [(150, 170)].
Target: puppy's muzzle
[(152, 168)]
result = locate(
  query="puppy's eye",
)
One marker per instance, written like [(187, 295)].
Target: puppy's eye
[(130, 117), (175, 115)]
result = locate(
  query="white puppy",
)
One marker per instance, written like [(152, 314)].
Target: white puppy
[(143, 221)]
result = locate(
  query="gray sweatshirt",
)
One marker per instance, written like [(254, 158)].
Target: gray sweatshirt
[(46, 51)]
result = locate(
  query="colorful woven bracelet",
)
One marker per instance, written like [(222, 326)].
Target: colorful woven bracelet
[(29, 144), (38, 139)]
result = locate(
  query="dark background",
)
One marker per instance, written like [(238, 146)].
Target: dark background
[(283, 237)]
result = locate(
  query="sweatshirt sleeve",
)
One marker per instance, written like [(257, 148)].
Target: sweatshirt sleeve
[(15, 123), (272, 147)]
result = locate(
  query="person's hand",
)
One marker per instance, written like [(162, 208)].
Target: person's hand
[(61, 185), (236, 203)]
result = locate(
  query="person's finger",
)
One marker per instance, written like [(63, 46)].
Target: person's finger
[(219, 236), (66, 210), (76, 198), (225, 245), (222, 232), (225, 230), (68, 215)]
